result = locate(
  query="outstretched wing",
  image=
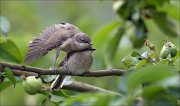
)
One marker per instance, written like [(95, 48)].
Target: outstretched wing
[(52, 37)]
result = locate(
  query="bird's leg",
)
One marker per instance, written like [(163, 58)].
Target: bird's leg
[(57, 55), (55, 59)]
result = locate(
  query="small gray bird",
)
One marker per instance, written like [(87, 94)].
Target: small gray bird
[(76, 63), (61, 37)]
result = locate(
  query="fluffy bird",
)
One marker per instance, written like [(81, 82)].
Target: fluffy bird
[(76, 63), (61, 37)]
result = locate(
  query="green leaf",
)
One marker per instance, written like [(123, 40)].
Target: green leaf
[(127, 100), (163, 86), (164, 24), (129, 61), (135, 54), (125, 10), (4, 85), (171, 10), (60, 93), (149, 74), (48, 78), (102, 34), (114, 43), (100, 100), (44, 102), (3, 40), (8, 73), (163, 61), (141, 63), (90, 99), (140, 33), (57, 99), (48, 102), (156, 3), (9, 51), (58, 96), (4, 25), (78, 100)]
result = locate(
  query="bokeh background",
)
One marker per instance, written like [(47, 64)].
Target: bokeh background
[(28, 18)]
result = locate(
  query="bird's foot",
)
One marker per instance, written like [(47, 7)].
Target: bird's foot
[(54, 69), (67, 70)]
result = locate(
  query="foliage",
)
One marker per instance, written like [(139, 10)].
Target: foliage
[(8, 74), (158, 76), (12, 53), (151, 74)]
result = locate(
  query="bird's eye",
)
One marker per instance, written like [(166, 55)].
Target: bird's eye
[(82, 39), (63, 23)]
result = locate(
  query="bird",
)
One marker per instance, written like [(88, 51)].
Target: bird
[(76, 63), (63, 36)]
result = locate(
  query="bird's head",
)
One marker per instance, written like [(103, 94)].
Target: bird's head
[(81, 41)]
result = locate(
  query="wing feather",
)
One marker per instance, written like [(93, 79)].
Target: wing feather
[(50, 38)]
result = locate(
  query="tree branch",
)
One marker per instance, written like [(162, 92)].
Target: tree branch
[(23, 73), (82, 87), (20, 70), (40, 71)]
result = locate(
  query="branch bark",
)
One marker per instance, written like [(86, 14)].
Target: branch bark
[(40, 71), (83, 87), (23, 73)]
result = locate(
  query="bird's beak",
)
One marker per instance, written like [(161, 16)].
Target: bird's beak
[(93, 49), (90, 43)]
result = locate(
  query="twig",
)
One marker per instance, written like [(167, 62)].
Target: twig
[(99, 73), (23, 73), (82, 87)]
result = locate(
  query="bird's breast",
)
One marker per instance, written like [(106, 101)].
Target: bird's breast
[(80, 62)]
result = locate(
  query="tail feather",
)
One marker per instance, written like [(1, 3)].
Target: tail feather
[(58, 83)]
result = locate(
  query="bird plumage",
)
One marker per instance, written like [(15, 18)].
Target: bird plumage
[(67, 38), (58, 36), (76, 63)]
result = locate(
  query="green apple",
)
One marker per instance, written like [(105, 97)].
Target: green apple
[(32, 85), (173, 49), (165, 52)]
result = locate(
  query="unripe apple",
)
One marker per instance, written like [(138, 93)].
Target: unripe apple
[(164, 52), (173, 49), (32, 85)]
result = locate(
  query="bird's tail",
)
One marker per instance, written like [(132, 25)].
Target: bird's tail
[(58, 83)]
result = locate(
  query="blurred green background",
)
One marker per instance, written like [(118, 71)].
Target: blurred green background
[(28, 18)]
